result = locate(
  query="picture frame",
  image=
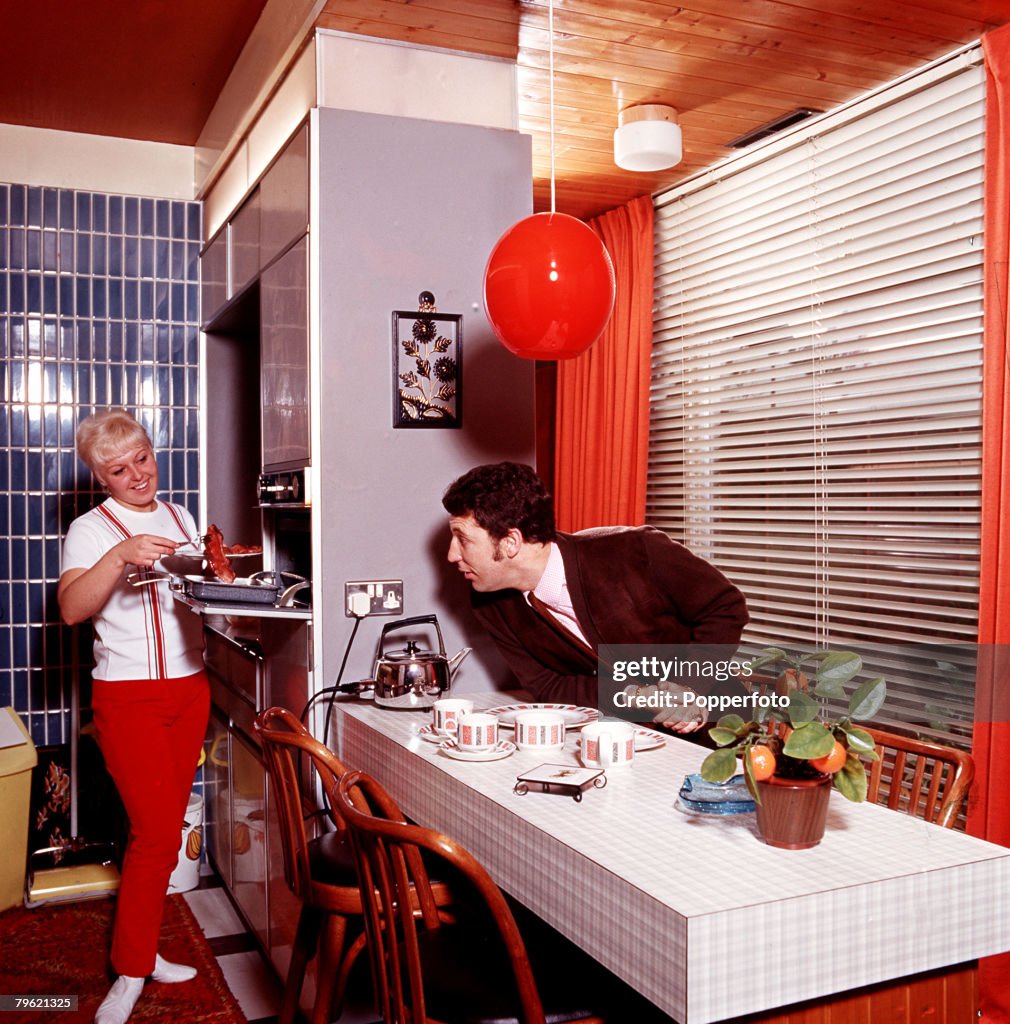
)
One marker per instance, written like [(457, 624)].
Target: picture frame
[(427, 368)]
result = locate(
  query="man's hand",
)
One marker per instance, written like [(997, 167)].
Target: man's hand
[(680, 716)]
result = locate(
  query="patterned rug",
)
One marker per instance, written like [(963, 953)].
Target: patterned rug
[(64, 950)]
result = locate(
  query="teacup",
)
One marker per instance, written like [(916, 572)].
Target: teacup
[(476, 731), (445, 714), (607, 744), (540, 730)]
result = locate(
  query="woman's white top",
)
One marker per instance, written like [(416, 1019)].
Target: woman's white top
[(140, 632)]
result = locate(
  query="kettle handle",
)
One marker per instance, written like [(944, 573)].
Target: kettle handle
[(416, 620)]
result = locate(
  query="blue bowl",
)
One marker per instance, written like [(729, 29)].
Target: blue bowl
[(730, 797)]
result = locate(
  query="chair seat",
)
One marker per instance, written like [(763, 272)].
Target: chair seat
[(468, 981), (331, 860)]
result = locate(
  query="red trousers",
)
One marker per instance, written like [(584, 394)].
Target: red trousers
[(150, 733)]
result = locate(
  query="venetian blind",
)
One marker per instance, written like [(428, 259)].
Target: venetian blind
[(816, 383)]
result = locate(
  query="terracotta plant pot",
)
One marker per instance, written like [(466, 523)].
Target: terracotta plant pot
[(791, 813)]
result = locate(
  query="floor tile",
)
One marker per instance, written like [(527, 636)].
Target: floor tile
[(252, 983), (214, 912)]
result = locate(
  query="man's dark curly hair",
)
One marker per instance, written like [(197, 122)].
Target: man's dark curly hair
[(503, 495)]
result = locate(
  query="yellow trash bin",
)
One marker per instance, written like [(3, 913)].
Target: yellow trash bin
[(17, 759)]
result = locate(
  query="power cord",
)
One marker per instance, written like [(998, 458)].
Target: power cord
[(332, 691)]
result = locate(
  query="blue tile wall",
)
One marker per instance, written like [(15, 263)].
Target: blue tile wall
[(98, 307)]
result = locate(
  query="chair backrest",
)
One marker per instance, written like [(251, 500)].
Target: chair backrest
[(284, 739), (397, 897), (921, 778)]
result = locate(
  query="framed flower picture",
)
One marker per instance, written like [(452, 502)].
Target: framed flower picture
[(427, 367)]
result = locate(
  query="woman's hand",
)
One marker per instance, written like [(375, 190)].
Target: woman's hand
[(83, 592), (145, 549)]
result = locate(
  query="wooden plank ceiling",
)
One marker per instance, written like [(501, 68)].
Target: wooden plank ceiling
[(152, 70), (727, 66)]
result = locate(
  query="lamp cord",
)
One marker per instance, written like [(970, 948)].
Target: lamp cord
[(550, 86)]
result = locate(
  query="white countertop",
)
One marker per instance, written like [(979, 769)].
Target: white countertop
[(696, 912)]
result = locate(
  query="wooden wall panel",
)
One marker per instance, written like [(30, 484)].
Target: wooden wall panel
[(946, 996)]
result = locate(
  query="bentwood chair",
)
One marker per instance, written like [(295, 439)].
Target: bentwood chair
[(473, 969), (319, 869), (924, 779)]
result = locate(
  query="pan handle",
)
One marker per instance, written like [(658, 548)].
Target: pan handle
[(286, 600), (143, 578)]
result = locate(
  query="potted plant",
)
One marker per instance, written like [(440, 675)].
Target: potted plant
[(793, 752)]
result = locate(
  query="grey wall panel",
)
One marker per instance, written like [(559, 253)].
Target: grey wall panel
[(406, 206)]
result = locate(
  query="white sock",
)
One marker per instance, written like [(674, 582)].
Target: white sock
[(167, 972), (118, 1004)]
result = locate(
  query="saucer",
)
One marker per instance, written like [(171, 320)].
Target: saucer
[(429, 733), (496, 753)]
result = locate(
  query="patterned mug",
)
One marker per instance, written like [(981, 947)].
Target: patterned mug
[(540, 730), (476, 731), (445, 714)]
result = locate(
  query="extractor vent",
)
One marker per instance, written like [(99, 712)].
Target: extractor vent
[(778, 125)]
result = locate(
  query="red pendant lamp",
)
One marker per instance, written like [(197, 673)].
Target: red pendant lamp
[(549, 282)]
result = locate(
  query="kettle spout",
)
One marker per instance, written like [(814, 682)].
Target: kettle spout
[(456, 660)]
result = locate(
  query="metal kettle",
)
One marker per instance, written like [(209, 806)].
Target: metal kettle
[(412, 677)]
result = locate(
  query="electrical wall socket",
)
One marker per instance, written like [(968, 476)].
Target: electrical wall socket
[(373, 597)]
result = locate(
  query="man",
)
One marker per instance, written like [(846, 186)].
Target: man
[(548, 599)]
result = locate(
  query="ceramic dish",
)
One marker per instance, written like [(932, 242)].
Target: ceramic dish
[(701, 797), (502, 749), (429, 733), (648, 739), (574, 716), (645, 739)]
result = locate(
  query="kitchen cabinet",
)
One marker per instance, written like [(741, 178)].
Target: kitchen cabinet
[(284, 360), (217, 796), (214, 276), (244, 234), (284, 198), (249, 836)]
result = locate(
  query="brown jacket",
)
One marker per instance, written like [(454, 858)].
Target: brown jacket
[(629, 585)]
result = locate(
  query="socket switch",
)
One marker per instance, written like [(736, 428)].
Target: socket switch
[(373, 597)]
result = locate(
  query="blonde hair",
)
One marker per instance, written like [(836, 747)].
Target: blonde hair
[(106, 435)]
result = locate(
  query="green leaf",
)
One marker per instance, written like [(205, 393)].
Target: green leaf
[(769, 656), (722, 737), (719, 766), (836, 668), (802, 708), (859, 740), (851, 780), (809, 741), (868, 699), (732, 722)]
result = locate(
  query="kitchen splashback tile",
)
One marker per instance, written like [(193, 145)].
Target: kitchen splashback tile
[(98, 307)]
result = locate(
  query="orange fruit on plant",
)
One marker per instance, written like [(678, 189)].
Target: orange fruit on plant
[(833, 762), (762, 762)]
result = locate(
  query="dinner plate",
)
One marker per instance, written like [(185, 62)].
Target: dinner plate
[(502, 749), (574, 716)]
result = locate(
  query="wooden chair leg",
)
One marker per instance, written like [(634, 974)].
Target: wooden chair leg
[(331, 948), (306, 941), (340, 990)]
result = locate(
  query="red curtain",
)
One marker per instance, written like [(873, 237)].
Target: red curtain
[(989, 808), (602, 418)]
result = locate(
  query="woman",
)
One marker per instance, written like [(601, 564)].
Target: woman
[(150, 694)]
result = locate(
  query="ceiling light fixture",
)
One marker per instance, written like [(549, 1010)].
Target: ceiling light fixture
[(549, 281), (647, 138)]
